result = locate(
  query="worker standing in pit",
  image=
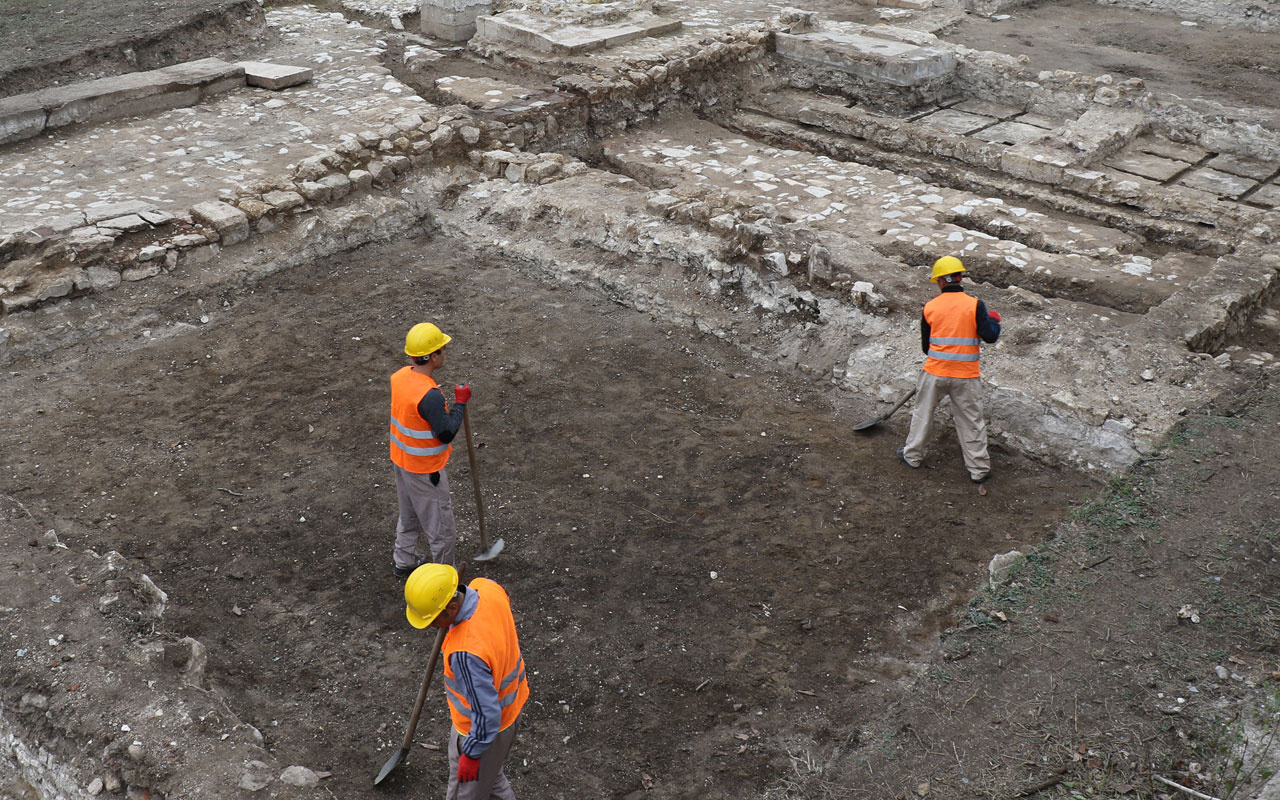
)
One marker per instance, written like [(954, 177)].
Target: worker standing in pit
[(422, 427), (484, 675), (951, 328)]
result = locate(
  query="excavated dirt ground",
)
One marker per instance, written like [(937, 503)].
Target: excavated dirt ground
[(623, 463), (721, 591), (1233, 66)]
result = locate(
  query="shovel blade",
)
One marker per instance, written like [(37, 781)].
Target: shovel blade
[(492, 552), (870, 423), (391, 764)]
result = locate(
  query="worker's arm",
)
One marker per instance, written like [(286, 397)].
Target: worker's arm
[(474, 680), (444, 424), (988, 326), (924, 335)]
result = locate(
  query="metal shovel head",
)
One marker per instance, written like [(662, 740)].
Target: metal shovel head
[(492, 552), (391, 764), (870, 423)]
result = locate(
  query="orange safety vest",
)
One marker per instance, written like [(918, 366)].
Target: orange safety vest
[(489, 634), (953, 335), (414, 446)]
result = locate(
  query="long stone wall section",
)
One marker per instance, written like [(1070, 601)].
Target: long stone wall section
[(27, 115)]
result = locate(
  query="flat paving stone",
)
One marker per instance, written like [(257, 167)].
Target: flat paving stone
[(1159, 146), (987, 108), (961, 123), (1148, 166), (1244, 167), (1222, 184), (1267, 196), (1041, 121), (1011, 133)]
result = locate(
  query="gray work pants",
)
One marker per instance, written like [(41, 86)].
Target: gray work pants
[(966, 410), (424, 509), (492, 783)]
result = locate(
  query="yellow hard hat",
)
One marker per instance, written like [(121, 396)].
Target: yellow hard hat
[(424, 339), (427, 592), (947, 265)]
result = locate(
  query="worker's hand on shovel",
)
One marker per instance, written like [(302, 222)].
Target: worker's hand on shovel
[(462, 393), (468, 768)]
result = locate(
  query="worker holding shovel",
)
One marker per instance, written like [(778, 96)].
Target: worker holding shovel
[(951, 328), (484, 674), (422, 427)]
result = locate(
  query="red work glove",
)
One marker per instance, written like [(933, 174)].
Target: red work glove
[(468, 768), (994, 315), (462, 394)]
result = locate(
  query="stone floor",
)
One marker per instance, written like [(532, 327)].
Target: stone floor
[(181, 157)]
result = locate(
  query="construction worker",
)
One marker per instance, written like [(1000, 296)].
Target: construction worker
[(484, 675), (422, 426), (950, 329)]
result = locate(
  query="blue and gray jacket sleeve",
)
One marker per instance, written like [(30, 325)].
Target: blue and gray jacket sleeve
[(474, 681)]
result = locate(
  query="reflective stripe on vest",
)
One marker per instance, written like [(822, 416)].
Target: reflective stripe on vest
[(414, 446), (490, 635), (953, 335)]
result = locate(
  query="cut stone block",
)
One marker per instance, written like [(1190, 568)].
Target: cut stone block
[(960, 123), (1267, 196), (1011, 133), (1244, 167), (877, 60), (987, 108), (139, 92), (1219, 183), (95, 214), (1041, 121), (451, 20), (550, 36), (114, 97), (230, 222), (128, 223), (21, 117), (1156, 146), (1148, 166), (274, 76)]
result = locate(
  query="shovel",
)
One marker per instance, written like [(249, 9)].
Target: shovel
[(862, 426), (398, 759), (489, 553)]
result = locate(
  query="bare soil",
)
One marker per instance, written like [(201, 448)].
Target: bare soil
[(1234, 66), (244, 462)]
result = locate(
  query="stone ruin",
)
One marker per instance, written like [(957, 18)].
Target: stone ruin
[(777, 179)]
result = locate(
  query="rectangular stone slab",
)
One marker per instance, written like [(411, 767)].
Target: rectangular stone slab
[(274, 76), (1220, 183), (960, 123), (1011, 133), (1148, 166), (21, 117), (876, 60), (538, 33)]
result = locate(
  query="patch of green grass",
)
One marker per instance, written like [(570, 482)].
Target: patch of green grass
[(1119, 506)]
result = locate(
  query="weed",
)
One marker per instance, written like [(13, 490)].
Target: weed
[(1120, 506)]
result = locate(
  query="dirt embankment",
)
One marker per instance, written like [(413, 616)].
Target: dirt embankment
[(43, 42)]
